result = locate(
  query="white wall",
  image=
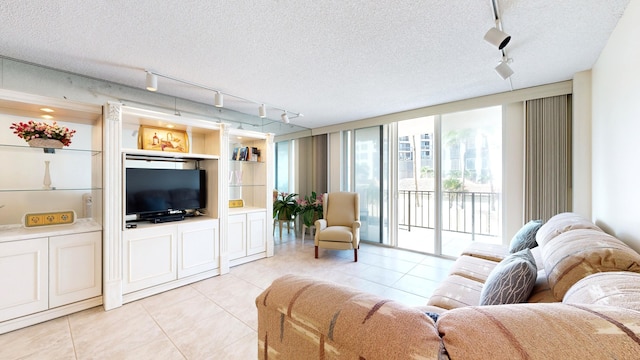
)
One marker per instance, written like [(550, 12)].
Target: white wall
[(616, 131), (581, 144)]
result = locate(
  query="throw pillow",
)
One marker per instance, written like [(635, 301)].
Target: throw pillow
[(525, 238), (511, 281)]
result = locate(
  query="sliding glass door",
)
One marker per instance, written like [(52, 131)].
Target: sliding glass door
[(368, 181), (449, 181)]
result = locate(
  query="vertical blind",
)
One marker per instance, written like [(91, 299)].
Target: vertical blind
[(547, 157)]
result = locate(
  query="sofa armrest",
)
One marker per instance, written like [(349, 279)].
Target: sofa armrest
[(303, 318), (540, 331)]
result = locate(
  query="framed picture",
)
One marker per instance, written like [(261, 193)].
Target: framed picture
[(161, 139)]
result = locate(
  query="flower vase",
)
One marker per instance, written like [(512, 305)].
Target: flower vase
[(45, 143), (47, 176)]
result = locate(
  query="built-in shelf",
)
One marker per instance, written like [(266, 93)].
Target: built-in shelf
[(169, 154), (27, 148)]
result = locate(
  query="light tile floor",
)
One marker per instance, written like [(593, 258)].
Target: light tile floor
[(216, 318)]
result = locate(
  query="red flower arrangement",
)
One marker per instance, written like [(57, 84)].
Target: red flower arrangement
[(33, 130)]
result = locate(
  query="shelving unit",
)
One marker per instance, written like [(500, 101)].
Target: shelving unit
[(49, 271), (159, 257), (251, 182)]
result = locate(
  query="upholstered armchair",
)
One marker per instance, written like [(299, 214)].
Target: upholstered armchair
[(340, 227)]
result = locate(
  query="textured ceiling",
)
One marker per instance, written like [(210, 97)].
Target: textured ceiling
[(334, 61)]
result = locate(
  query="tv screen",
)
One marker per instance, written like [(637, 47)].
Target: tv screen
[(156, 191)]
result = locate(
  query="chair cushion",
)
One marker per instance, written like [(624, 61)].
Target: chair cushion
[(336, 233), (616, 288), (341, 209), (511, 281), (525, 238), (579, 253)]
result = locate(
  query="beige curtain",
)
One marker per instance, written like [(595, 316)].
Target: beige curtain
[(547, 157)]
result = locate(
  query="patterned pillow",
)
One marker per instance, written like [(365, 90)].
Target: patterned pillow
[(511, 281), (525, 238)]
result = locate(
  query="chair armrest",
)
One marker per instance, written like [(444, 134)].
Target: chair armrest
[(300, 318), (356, 225), (321, 224)]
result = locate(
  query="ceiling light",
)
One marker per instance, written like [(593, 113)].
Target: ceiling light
[(497, 38), (48, 117), (47, 110), (285, 117), (218, 101), (152, 81), (262, 111), (504, 70)]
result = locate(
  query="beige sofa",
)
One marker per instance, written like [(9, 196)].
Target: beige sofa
[(585, 304)]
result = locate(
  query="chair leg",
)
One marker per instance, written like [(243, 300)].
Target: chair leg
[(355, 255), (316, 251)]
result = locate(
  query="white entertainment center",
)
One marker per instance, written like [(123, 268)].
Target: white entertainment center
[(108, 257)]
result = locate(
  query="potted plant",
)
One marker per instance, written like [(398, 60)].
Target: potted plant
[(285, 206), (42, 134), (311, 208)]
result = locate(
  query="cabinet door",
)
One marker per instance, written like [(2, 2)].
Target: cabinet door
[(23, 277), (149, 257), (256, 232), (75, 266), (237, 236), (197, 247)]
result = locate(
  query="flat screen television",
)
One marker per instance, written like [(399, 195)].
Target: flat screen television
[(157, 192)]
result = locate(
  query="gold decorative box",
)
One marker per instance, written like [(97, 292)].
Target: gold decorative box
[(237, 203), (49, 218)]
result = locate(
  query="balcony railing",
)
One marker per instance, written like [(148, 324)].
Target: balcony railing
[(475, 213)]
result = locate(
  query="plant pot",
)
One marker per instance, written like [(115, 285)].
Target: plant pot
[(45, 143)]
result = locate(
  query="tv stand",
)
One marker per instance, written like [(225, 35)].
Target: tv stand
[(167, 218)]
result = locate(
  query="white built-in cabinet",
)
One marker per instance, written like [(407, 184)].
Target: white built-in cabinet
[(54, 270), (157, 254), (148, 258)]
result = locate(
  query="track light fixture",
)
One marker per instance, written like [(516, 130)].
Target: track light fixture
[(152, 81), (503, 69), (285, 117), (497, 38), (218, 100), (152, 85)]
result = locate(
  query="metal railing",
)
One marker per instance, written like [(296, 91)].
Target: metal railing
[(475, 213)]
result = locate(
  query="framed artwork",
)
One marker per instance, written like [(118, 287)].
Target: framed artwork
[(162, 139)]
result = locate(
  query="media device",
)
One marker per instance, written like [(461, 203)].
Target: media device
[(160, 195)]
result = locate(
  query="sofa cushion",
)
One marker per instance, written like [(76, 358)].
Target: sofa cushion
[(456, 291), (511, 281), (474, 268), (304, 318), (618, 288), (525, 238), (493, 252), (577, 254), (560, 224), (540, 331), (541, 292)]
